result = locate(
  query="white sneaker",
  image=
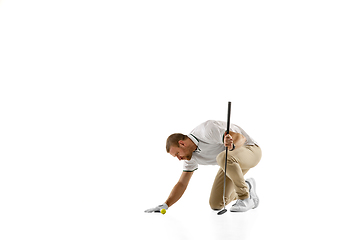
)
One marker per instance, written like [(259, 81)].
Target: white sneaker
[(242, 205), (252, 191), (249, 203)]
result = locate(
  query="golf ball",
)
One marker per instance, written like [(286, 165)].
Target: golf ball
[(163, 211)]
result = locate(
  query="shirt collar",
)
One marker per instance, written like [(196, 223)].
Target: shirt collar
[(196, 141)]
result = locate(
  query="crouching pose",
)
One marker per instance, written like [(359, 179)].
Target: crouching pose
[(205, 145)]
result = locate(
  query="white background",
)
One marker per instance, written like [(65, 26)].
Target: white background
[(90, 90)]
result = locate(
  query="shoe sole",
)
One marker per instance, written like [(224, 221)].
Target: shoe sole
[(253, 194)]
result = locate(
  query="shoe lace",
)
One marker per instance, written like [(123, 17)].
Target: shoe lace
[(240, 202)]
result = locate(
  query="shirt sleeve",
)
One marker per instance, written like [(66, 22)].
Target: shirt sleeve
[(190, 165)]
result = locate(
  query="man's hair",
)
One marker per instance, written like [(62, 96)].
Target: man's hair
[(173, 140)]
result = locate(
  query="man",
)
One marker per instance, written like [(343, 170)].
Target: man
[(205, 145)]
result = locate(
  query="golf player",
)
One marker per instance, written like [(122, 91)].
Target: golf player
[(205, 145)]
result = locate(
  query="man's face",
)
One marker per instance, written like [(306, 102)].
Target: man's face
[(182, 152)]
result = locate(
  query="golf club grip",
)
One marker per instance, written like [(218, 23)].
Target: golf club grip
[(228, 118)]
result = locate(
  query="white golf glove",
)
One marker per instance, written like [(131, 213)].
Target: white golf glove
[(158, 208)]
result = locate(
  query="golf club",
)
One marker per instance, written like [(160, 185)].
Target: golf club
[(226, 153)]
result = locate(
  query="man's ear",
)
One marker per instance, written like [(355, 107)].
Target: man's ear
[(181, 143)]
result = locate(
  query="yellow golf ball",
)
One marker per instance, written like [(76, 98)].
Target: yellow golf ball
[(163, 211)]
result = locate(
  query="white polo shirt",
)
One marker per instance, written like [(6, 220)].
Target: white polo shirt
[(208, 138)]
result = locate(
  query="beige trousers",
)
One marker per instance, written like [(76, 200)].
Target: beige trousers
[(238, 164)]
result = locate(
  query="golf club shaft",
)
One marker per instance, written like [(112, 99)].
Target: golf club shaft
[(226, 153)]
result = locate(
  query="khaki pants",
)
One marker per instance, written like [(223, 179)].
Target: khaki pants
[(239, 162)]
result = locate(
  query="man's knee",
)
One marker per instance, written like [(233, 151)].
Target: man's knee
[(215, 205), (220, 159)]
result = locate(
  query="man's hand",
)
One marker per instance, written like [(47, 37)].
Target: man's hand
[(228, 141), (158, 208)]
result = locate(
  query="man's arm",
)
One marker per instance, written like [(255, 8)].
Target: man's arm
[(179, 188)]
